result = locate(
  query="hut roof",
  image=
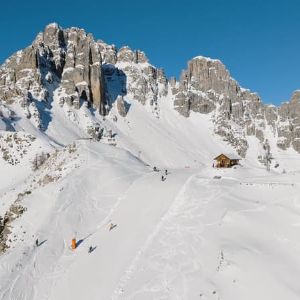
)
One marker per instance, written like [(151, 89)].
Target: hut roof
[(231, 156)]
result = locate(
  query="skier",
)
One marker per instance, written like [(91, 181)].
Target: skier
[(166, 172), (91, 249), (112, 226), (74, 244), (162, 178), (37, 242)]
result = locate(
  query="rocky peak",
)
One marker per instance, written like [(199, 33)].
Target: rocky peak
[(201, 85), (208, 74), (108, 52), (69, 66), (295, 97), (289, 125), (125, 54), (52, 35), (207, 87), (67, 60), (140, 57)]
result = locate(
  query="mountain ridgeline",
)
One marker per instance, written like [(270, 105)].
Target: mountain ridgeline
[(69, 67)]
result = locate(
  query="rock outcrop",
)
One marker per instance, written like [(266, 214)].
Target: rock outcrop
[(69, 66), (79, 69), (68, 60), (289, 123), (207, 87)]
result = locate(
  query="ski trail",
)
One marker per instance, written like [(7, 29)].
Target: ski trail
[(172, 209), (67, 254), (166, 221), (136, 213), (66, 213)]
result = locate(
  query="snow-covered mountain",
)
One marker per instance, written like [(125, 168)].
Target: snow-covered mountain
[(67, 74), (82, 124)]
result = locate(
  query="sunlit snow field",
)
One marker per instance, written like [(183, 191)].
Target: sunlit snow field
[(192, 236)]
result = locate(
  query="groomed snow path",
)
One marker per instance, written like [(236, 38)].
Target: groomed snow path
[(147, 200)]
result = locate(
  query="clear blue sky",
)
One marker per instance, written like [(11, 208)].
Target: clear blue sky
[(258, 41)]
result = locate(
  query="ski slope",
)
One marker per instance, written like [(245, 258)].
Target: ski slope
[(171, 140), (143, 205), (230, 238), (202, 233), (188, 237)]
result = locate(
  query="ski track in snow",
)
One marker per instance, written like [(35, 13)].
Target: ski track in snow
[(190, 237), (118, 212), (57, 257), (67, 252), (170, 212), (160, 254), (165, 221), (167, 267)]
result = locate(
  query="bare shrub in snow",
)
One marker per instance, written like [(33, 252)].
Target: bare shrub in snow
[(39, 160)]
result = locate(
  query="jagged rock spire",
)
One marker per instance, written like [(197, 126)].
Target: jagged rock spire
[(70, 66)]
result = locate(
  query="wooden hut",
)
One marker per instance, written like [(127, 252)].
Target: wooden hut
[(226, 160)]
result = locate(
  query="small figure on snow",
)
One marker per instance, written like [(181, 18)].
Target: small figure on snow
[(74, 244), (155, 169), (112, 226), (166, 172), (91, 249), (163, 178), (37, 242)]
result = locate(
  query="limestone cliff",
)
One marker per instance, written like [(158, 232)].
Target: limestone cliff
[(72, 68), (207, 87)]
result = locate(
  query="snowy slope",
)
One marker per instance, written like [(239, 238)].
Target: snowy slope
[(234, 238), (92, 180), (202, 233), (170, 140), (189, 237)]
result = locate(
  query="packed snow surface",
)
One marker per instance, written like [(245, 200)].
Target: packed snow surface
[(194, 233), (191, 236)]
